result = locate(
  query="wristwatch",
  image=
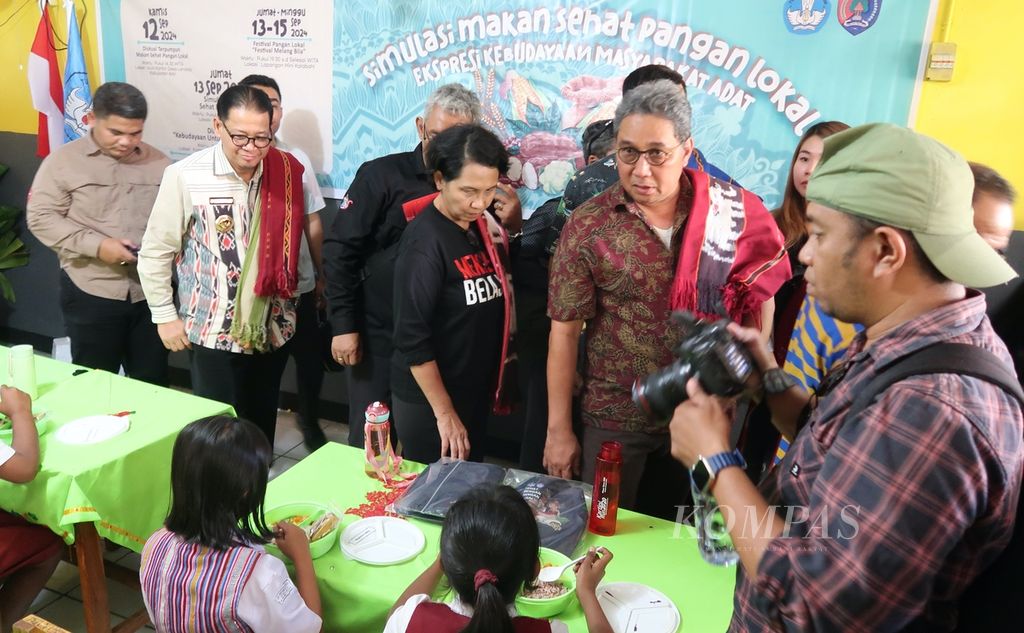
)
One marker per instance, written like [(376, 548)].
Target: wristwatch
[(776, 381), (704, 471)]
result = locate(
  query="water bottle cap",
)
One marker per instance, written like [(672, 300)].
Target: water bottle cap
[(610, 451), (377, 413)]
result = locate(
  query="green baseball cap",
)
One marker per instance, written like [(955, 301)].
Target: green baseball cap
[(900, 178)]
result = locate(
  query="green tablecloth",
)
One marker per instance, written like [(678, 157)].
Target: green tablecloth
[(357, 597), (121, 484)]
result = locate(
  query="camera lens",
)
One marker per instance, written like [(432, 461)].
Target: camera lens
[(658, 394)]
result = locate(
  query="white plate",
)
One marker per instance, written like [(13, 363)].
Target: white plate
[(635, 608), (92, 429), (382, 541)]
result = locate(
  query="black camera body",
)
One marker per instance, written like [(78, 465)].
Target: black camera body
[(708, 352)]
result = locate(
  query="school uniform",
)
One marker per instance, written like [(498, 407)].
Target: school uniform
[(23, 544), (420, 615)]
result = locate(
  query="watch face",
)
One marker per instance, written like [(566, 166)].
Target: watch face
[(700, 475), (777, 381)]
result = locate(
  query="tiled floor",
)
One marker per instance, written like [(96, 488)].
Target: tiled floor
[(61, 604)]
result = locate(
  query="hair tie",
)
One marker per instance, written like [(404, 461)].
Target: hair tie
[(483, 576)]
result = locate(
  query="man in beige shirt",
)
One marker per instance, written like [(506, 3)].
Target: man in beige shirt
[(90, 202)]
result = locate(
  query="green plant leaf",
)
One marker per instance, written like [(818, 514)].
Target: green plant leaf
[(15, 249), (13, 252), (14, 262), (6, 290), (8, 217)]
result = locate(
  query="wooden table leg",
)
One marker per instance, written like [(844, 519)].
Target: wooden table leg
[(89, 552)]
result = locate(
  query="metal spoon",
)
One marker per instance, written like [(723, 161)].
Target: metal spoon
[(551, 574)]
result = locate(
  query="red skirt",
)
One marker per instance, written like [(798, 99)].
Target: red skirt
[(24, 544)]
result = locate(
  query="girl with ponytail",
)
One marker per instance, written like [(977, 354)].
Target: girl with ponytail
[(489, 546)]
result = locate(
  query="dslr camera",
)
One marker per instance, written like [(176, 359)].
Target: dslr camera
[(708, 352)]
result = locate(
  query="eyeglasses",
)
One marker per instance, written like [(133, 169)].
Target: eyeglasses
[(241, 140), (655, 157)]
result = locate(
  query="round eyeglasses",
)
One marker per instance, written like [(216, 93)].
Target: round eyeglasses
[(654, 157)]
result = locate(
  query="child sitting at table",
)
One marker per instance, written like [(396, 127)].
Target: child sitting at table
[(206, 570), (489, 546), (28, 553)]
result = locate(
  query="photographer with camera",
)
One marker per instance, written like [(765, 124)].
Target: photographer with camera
[(902, 483), (663, 238)]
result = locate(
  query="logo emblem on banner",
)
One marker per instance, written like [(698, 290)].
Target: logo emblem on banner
[(857, 16), (804, 17)]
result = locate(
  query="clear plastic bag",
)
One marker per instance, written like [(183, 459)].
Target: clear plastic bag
[(560, 506), (442, 484)]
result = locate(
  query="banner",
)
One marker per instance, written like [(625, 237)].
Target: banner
[(183, 54), (758, 72)]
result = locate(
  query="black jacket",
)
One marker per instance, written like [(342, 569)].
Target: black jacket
[(362, 244)]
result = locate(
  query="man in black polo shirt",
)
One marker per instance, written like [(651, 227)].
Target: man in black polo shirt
[(362, 245)]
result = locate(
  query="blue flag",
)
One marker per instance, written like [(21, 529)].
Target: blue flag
[(77, 96)]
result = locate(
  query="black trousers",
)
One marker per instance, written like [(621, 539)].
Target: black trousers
[(107, 334), (248, 382), (369, 381), (304, 347), (533, 386), (418, 431), (652, 481)]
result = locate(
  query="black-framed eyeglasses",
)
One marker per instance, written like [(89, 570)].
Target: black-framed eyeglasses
[(241, 140), (655, 157)]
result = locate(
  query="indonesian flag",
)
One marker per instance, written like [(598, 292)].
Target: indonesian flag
[(46, 88)]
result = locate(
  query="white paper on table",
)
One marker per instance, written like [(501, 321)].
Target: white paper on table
[(92, 429)]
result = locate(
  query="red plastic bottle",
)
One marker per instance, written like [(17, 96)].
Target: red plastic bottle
[(604, 504), (377, 432)]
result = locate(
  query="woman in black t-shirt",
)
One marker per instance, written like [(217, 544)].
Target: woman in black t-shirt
[(450, 303)]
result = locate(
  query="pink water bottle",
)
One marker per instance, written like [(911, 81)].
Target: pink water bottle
[(377, 432), (604, 503)]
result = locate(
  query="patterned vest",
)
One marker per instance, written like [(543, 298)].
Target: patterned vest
[(433, 617), (190, 588)]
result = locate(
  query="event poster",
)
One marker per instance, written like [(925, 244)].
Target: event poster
[(758, 72), (182, 54)]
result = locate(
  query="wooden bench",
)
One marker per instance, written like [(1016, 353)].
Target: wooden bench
[(35, 624)]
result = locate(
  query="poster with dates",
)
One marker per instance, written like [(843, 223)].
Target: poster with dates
[(356, 73), (182, 54)]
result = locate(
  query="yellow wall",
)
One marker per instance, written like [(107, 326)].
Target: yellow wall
[(978, 113), (16, 112), (981, 112)]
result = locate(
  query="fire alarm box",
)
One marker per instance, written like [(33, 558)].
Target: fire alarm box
[(941, 59)]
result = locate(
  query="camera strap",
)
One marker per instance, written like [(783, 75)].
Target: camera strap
[(942, 358)]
